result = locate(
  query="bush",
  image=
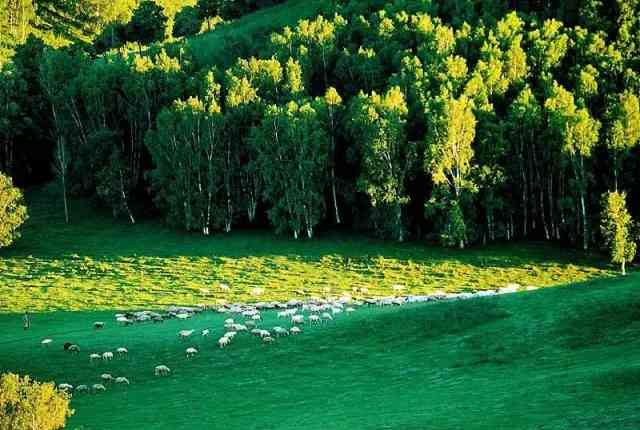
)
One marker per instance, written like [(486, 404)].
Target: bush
[(13, 212), (30, 405)]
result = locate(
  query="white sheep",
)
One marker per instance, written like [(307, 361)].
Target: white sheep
[(239, 327), (183, 316), (82, 388), (267, 339), (250, 324), (205, 332), (224, 341), (279, 331), (336, 310), (256, 317), (161, 370), (229, 321), (46, 342), (106, 377), (191, 352), (295, 330), (122, 380), (314, 319), (224, 287), (297, 319), (74, 348), (98, 325), (94, 357), (107, 356), (65, 387), (265, 333), (283, 314), (124, 320), (122, 351), (185, 333), (98, 387), (230, 334), (350, 310)]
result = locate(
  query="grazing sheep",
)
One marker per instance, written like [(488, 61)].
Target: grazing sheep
[(326, 316), (336, 310), (122, 380), (350, 310), (239, 327), (191, 352), (74, 349), (98, 325), (230, 334), (267, 339), (297, 319), (161, 370), (106, 377), (98, 387), (67, 345), (283, 314), (183, 316), (122, 351), (279, 331), (205, 332), (185, 333), (295, 330), (46, 342), (224, 287), (250, 324), (93, 357), (256, 317), (80, 388), (65, 387), (265, 333), (314, 319), (229, 321), (224, 341), (107, 356)]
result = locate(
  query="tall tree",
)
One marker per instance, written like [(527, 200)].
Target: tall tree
[(387, 157), (624, 130), (449, 160)]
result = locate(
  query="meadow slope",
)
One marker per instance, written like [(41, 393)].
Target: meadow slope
[(98, 263), (556, 358)]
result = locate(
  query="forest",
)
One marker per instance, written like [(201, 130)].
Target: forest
[(460, 122)]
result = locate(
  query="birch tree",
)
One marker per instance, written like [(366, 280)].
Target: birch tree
[(387, 157), (616, 227), (448, 160)]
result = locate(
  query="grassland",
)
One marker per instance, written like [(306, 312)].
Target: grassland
[(215, 48), (98, 263), (555, 358)]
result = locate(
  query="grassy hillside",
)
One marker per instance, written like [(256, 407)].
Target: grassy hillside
[(98, 263), (557, 358), (213, 48)]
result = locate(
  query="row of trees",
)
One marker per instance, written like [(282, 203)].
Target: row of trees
[(389, 116)]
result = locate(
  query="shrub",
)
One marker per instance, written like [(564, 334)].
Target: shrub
[(26, 404), (13, 212)]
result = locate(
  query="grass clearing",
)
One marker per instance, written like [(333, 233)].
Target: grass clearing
[(500, 362), (212, 48), (98, 263)]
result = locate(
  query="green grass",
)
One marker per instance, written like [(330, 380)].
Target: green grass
[(212, 48), (98, 263), (556, 358)]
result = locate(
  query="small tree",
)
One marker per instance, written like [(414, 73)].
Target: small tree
[(187, 22), (148, 23), (616, 228), (29, 405), (12, 213)]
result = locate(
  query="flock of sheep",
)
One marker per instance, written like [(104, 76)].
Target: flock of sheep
[(245, 319)]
